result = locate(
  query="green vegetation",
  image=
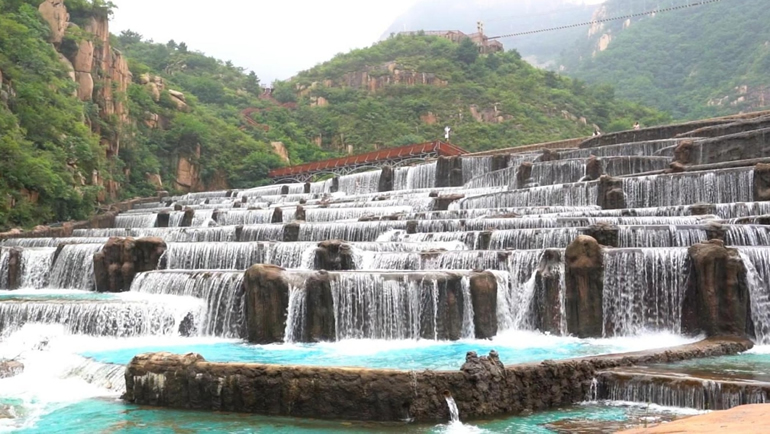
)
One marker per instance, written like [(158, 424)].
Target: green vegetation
[(517, 103), (56, 165), (684, 62)]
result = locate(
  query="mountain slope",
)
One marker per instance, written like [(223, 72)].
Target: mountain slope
[(406, 89), (502, 17), (697, 62)]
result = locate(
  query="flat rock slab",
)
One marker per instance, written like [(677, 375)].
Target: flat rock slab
[(747, 419)]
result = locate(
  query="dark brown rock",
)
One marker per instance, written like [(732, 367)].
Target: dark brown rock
[(411, 227), (122, 258), (484, 298), (585, 285), (187, 219), (291, 232), (299, 214), (267, 300), (594, 168), (387, 179), (484, 240), (442, 202), (319, 303), (611, 195), (10, 368), (762, 182), (14, 268), (524, 174), (716, 301), (683, 151), (306, 188), (449, 172), (284, 190), (500, 162), (277, 215), (334, 255), (606, 234), (548, 155), (547, 304)]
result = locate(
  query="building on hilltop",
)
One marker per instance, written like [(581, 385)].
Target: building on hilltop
[(481, 40)]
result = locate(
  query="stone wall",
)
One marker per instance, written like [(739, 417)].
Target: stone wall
[(482, 388), (116, 265), (649, 134), (268, 289), (742, 146)]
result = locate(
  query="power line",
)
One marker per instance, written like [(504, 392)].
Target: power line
[(604, 20)]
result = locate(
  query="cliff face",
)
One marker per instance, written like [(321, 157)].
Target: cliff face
[(374, 79), (101, 74)]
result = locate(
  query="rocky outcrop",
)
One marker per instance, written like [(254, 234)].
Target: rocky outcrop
[(267, 300), (585, 285), (387, 179), (482, 388), (449, 172), (716, 301), (334, 255), (484, 299), (611, 194), (116, 265), (547, 301), (10, 368), (606, 234), (762, 182), (280, 150), (55, 14), (524, 175), (376, 78)]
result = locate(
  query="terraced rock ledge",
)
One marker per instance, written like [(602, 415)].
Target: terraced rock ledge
[(482, 388)]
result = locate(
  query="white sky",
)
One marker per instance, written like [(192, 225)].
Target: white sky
[(274, 38)]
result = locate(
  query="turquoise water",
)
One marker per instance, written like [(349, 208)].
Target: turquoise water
[(111, 416), (53, 295), (513, 347), (369, 354)]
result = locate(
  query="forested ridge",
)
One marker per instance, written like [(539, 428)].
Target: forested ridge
[(150, 116), (697, 62)]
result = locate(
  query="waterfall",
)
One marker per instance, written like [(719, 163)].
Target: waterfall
[(216, 256), (104, 375), (314, 215), (618, 166), (746, 235), (250, 217), (265, 232), (101, 318), (358, 231), (580, 194), (742, 209), (516, 291), (296, 314), (360, 183), (415, 177), (558, 172), (36, 267), (74, 267), (498, 178), (757, 263), (170, 235), (222, 292), (454, 413), (475, 166), (202, 218), (644, 290), (136, 220), (469, 327), (53, 242), (5, 256), (530, 239), (676, 390), (662, 236), (719, 186), (639, 149)]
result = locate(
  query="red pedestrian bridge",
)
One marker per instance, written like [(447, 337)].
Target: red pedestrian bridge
[(394, 157)]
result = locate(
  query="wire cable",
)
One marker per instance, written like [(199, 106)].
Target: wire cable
[(604, 20)]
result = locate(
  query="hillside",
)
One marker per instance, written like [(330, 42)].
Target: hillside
[(503, 17), (406, 89), (698, 62), (88, 118)]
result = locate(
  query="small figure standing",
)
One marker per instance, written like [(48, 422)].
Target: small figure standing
[(637, 126), (597, 132)]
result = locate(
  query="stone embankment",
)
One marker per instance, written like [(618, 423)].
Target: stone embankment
[(483, 387)]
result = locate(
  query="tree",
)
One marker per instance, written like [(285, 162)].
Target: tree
[(467, 51), (252, 83), (182, 47), (129, 37), (172, 45)]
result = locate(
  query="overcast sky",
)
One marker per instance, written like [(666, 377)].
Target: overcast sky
[(274, 38)]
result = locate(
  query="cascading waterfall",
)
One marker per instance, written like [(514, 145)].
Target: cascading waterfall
[(746, 235), (216, 256), (136, 220), (170, 235), (415, 177), (639, 149), (36, 267), (558, 172), (360, 183), (516, 291), (325, 215), (656, 236), (222, 292), (475, 166), (742, 209), (644, 290), (580, 194), (250, 217), (53, 242), (266, 232), (719, 186), (114, 318), (295, 315), (618, 166), (359, 231), (529, 239), (757, 263), (5, 256), (74, 267), (202, 218), (498, 178)]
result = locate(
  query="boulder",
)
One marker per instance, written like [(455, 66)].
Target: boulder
[(267, 302), (585, 285), (484, 300), (116, 265), (762, 182), (54, 12), (334, 255), (10, 368)]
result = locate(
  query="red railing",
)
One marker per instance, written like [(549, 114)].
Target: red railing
[(440, 148)]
